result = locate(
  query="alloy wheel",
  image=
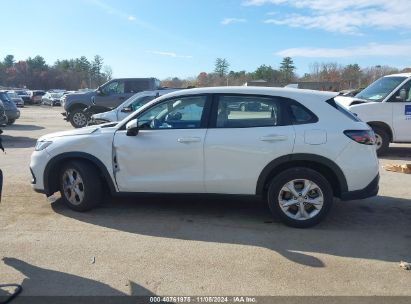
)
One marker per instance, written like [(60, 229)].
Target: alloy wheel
[(73, 186), (79, 119), (301, 199)]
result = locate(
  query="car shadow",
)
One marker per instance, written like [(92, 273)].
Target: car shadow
[(394, 153), (46, 282), (377, 228), (18, 127), (18, 141)]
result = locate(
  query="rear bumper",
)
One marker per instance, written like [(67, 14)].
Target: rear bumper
[(369, 191)]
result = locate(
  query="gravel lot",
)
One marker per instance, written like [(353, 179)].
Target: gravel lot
[(146, 246)]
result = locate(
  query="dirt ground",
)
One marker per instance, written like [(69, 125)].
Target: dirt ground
[(160, 246)]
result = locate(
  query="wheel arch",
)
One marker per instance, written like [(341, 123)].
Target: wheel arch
[(384, 126), (51, 172), (329, 169), (76, 105)]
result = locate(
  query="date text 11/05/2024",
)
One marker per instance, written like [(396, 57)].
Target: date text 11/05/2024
[(204, 299)]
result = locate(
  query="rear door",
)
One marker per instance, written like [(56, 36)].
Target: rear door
[(239, 144)]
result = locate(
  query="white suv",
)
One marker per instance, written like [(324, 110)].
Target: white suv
[(298, 149), (386, 106)]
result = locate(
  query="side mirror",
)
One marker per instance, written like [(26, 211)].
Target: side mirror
[(99, 91), (132, 127), (127, 110), (403, 95)]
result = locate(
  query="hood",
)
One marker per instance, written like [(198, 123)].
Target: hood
[(104, 114), (347, 101), (88, 94), (75, 132)]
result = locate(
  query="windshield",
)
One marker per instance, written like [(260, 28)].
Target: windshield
[(380, 89), (4, 97), (12, 95), (56, 95), (21, 93)]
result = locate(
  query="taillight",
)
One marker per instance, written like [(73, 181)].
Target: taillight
[(365, 137)]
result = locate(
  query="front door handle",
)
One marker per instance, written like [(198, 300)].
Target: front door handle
[(273, 137), (184, 140)]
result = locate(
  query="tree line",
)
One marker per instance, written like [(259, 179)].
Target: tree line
[(350, 76), (69, 74), (77, 73)]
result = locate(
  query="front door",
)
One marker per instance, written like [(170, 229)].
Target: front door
[(167, 154), (401, 112), (112, 94)]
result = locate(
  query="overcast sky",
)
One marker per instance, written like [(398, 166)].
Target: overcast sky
[(163, 38)]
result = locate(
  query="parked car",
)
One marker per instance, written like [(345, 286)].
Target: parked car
[(130, 105), (52, 98), (386, 106), (298, 154), (16, 98), (109, 95), (24, 95), (35, 96), (10, 108), (3, 116)]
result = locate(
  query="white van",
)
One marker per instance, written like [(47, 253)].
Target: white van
[(386, 106)]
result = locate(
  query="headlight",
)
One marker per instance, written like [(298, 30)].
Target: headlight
[(41, 145)]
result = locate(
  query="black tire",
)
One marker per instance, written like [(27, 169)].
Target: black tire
[(78, 118), (279, 181), (90, 187), (385, 138), (10, 122)]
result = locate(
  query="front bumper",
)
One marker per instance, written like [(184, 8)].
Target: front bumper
[(38, 163), (12, 114), (369, 191)]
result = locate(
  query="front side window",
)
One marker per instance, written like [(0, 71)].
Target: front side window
[(115, 87), (177, 113), (378, 90), (406, 90), (247, 111)]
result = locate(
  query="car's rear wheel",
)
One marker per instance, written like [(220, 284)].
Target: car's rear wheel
[(382, 141), (80, 185), (301, 197), (11, 121), (78, 119)]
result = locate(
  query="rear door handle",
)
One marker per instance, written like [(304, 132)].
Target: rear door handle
[(273, 137), (184, 140)]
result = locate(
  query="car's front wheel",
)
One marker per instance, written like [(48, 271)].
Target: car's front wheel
[(300, 196), (11, 121), (80, 185), (382, 140), (78, 119)]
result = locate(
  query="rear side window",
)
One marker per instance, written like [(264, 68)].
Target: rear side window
[(301, 115), (135, 86), (341, 109), (236, 111)]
